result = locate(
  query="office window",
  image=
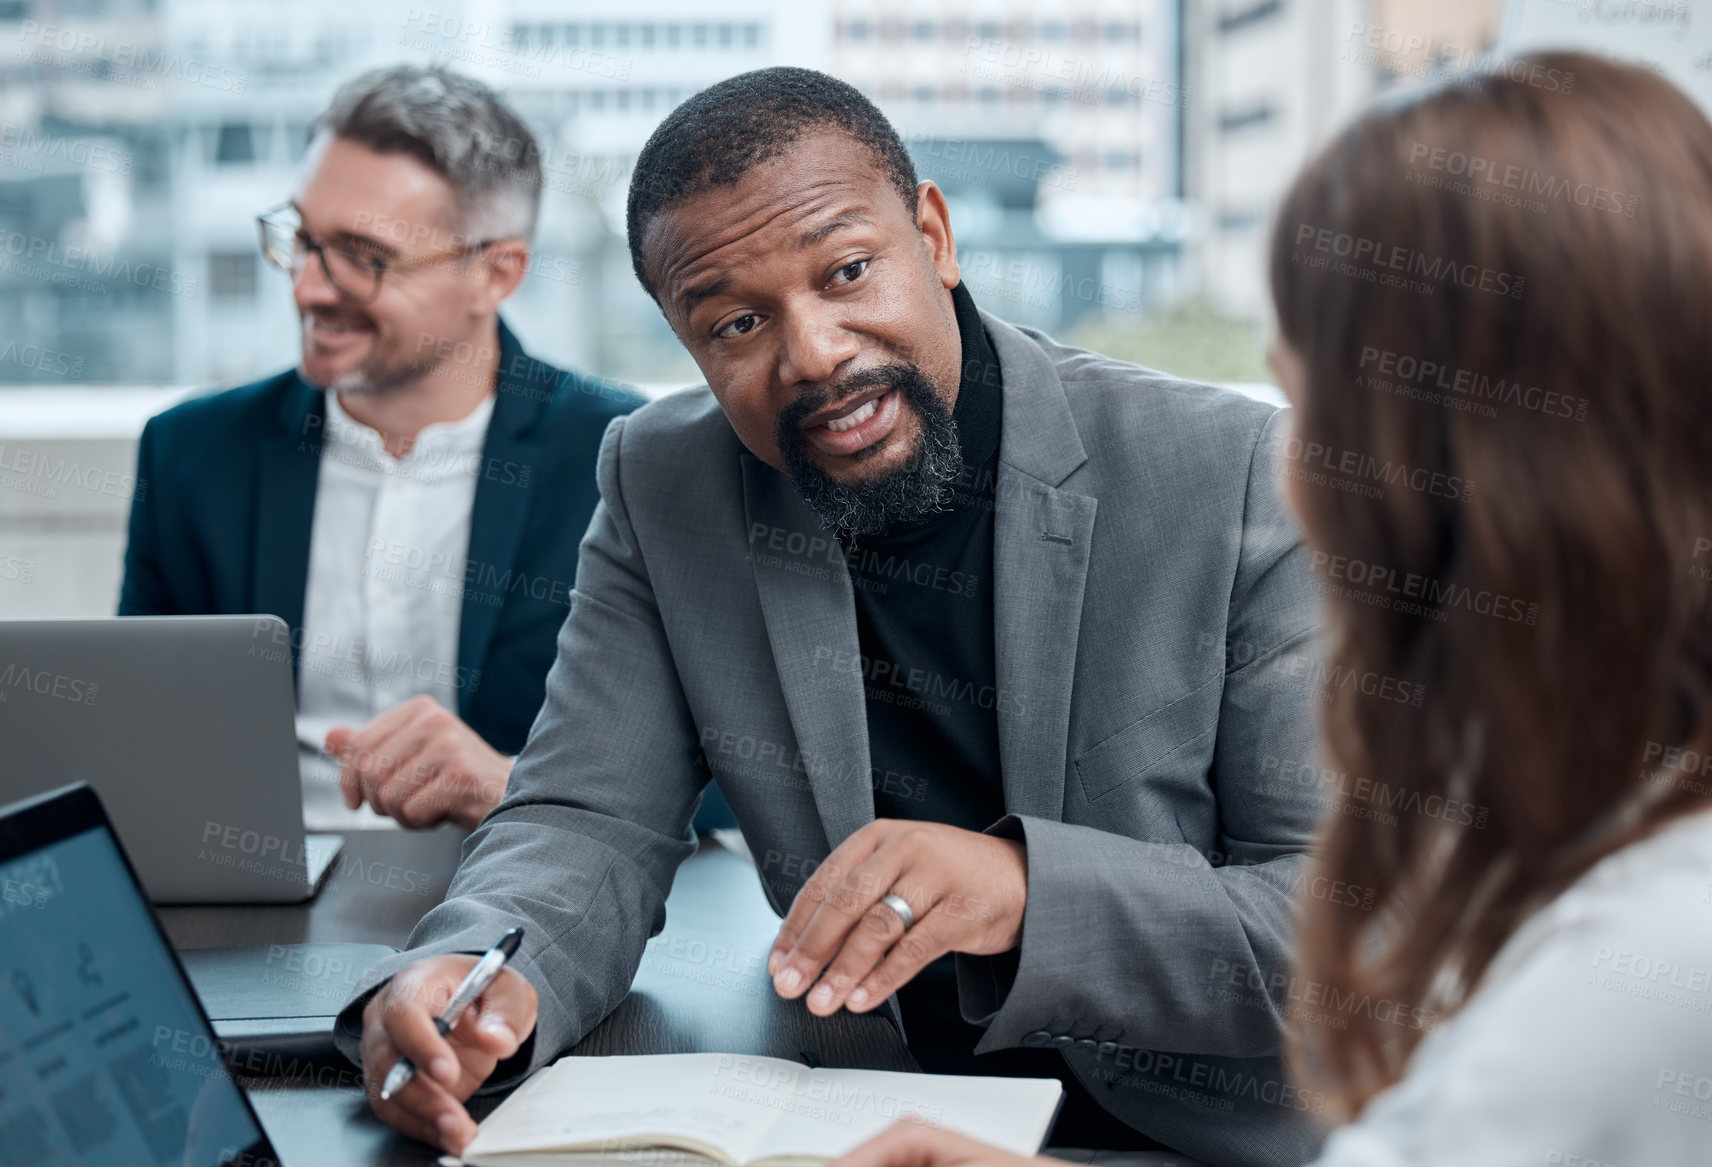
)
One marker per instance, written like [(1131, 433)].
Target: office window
[(573, 35), (751, 36), (1235, 19), (647, 36), (1242, 119), (923, 30), (1240, 220), (674, 35), (232, 275), (621, 36), (234, 145), (725, 36)]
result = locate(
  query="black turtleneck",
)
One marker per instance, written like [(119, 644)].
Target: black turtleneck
[(924, 617), (924, 623)]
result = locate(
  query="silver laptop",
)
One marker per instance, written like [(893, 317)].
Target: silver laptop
[(185, 726)]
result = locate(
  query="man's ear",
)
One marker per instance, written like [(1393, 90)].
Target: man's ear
[(504, 263), (935, 219)]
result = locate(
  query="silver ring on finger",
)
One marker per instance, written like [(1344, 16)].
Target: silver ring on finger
[(900, 907)]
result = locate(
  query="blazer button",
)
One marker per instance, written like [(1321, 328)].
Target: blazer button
[(1062, 1041), (1038, 1037)]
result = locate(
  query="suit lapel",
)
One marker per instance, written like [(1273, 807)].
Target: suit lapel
[(287, 476), (1042, 536), (1041, 539), (811, 625), (501, 501)]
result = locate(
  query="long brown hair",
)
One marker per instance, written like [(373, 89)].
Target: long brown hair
[(1500, 292)]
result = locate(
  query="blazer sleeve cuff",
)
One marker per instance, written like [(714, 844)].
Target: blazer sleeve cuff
[(1013, 994), (985, 982)]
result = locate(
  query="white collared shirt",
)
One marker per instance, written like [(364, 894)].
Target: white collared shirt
[(382, 602), (1589, 1041)]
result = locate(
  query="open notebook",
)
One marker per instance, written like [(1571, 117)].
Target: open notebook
[(692, 1109)]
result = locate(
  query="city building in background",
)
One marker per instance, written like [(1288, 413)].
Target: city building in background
[(1273, 80), (1055, 132), (1111, 164)]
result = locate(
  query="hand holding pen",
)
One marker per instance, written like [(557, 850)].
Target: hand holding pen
[(471, 987), (399, 1023)]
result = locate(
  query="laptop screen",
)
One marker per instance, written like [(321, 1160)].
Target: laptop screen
[(105, 1057)]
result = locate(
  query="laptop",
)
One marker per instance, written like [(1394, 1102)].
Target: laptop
[(106, 1057), (186, 727)]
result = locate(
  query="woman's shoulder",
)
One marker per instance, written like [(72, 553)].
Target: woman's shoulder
[(1659, 887), (1589, 1038)]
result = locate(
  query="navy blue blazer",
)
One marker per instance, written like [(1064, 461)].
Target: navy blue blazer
[(221, 517)]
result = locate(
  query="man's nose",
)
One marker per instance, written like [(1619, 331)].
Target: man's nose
[(814, 348), (310, 286)]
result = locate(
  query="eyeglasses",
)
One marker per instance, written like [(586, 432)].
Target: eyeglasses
[(354, 271)]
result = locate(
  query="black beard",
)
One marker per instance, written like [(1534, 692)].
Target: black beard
[(872, 506)]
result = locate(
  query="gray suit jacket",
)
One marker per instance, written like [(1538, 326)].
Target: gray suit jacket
[(1153, 614)]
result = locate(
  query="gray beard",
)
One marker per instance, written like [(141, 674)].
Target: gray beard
[(919, 488), (375, 380)]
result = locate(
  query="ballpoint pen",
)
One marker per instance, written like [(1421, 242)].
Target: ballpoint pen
[(468, 990)]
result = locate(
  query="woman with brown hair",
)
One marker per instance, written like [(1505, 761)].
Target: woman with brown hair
[(1495, 324)]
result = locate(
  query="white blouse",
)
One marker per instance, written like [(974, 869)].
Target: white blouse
[(1589, 1044)]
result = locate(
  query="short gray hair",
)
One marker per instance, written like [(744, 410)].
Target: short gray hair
[(456, 126)]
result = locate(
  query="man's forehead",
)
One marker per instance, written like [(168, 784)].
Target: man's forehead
[(772, 206), (379, 188)]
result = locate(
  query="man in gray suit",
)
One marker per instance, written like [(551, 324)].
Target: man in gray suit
[(996, 648)]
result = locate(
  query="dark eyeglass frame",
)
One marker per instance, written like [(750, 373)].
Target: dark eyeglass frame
[(285, 217)]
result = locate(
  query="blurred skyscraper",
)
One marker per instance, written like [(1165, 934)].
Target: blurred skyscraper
[(1272, 80), (138, 140)]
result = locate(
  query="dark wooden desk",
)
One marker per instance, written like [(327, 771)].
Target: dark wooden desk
[(702, 987)]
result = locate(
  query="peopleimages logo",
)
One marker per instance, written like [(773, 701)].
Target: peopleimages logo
[(1388, 581), (139, 59), (47, 684), (1466, 383), (1523, 179), (1400, 263), (30, 147), (47, 253)]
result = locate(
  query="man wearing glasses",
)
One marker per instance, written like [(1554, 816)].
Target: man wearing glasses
[(410, 498)]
